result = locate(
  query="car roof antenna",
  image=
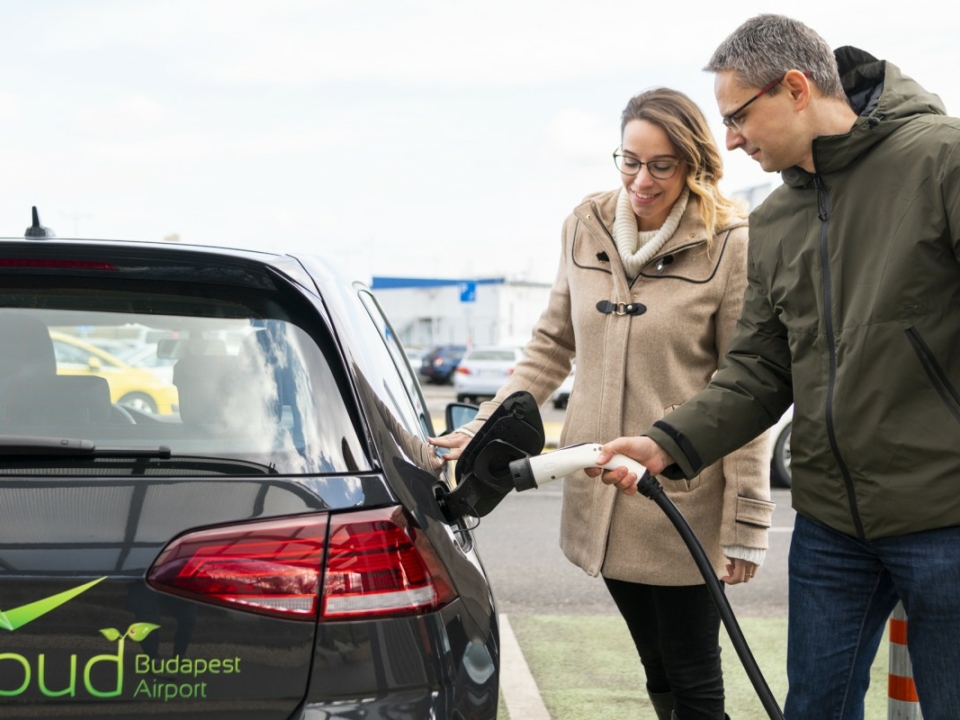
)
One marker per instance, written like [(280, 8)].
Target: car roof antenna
[(37, 230)]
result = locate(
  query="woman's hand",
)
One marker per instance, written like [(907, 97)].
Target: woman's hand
[(739, 571), (455, 442)]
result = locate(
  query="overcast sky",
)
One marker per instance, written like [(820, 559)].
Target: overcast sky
[(428, 138)]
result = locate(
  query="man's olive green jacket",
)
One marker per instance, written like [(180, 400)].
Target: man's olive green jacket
[(852, 312)]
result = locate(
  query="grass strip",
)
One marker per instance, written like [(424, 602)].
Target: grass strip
[(587, 668)]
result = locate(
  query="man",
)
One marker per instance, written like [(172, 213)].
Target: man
[(853, 314)]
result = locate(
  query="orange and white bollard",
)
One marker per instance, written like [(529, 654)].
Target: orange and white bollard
[(902, 701)]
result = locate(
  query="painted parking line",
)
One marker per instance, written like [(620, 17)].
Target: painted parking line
[(520, 692)]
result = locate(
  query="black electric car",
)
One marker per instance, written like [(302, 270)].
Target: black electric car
[(274, 548)]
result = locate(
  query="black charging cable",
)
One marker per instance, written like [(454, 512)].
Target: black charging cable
[(651, 488), (497, 461)]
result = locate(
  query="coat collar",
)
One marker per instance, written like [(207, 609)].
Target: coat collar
[(601, 208)]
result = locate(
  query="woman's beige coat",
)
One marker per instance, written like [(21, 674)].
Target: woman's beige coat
[(631, 370)]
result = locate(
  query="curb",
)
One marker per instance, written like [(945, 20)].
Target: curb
[(520, 692)]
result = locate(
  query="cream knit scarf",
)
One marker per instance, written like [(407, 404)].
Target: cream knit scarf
[(637, 248)]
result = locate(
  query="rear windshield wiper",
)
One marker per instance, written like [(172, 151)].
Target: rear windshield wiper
[(24, 450), (39, 446)]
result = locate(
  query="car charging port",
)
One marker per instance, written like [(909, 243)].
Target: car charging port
[(514, 431)]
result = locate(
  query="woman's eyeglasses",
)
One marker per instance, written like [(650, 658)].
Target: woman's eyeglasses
[(661, 169)]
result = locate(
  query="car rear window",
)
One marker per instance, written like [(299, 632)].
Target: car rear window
[(492, 355), (207, 371)]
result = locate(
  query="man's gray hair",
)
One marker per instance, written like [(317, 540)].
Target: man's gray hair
[(766, 46)]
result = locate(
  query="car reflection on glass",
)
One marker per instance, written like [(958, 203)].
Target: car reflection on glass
[(439, 363), (130, 386), (145, 356)]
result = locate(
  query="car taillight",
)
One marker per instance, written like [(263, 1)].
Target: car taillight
[(271, 567), (463, 371), (377, 564)]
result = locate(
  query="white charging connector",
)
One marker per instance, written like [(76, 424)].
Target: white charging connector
[(531, 472)]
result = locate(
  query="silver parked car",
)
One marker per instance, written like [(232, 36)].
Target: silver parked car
[(483, 370), (780, 450)]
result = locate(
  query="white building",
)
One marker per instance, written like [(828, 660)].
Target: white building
[(487, 311), (439, 311)]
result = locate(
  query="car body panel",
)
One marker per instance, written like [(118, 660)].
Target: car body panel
[(66, 523)]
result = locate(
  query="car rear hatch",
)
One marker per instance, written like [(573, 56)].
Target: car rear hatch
[(225, 622), (489, 365), (177, 564)]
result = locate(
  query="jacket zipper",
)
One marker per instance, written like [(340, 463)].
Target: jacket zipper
[(823, 212)]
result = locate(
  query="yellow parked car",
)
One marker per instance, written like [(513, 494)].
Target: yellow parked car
[(130, 386)]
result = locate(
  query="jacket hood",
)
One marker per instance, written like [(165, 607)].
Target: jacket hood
[(884, 100)]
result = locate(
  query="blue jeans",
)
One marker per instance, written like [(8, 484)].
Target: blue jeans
[(842, 591)]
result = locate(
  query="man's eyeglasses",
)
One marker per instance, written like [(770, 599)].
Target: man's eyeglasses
[(660, 169), (734, 119)]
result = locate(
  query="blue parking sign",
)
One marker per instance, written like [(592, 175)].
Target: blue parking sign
[(468, 291)]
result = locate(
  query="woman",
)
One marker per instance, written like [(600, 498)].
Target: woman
[(650, 284)]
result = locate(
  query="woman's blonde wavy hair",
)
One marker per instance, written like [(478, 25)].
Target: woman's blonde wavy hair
[(687, 129)]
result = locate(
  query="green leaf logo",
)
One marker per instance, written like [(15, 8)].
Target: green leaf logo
[(20, 616), (139, 631)]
